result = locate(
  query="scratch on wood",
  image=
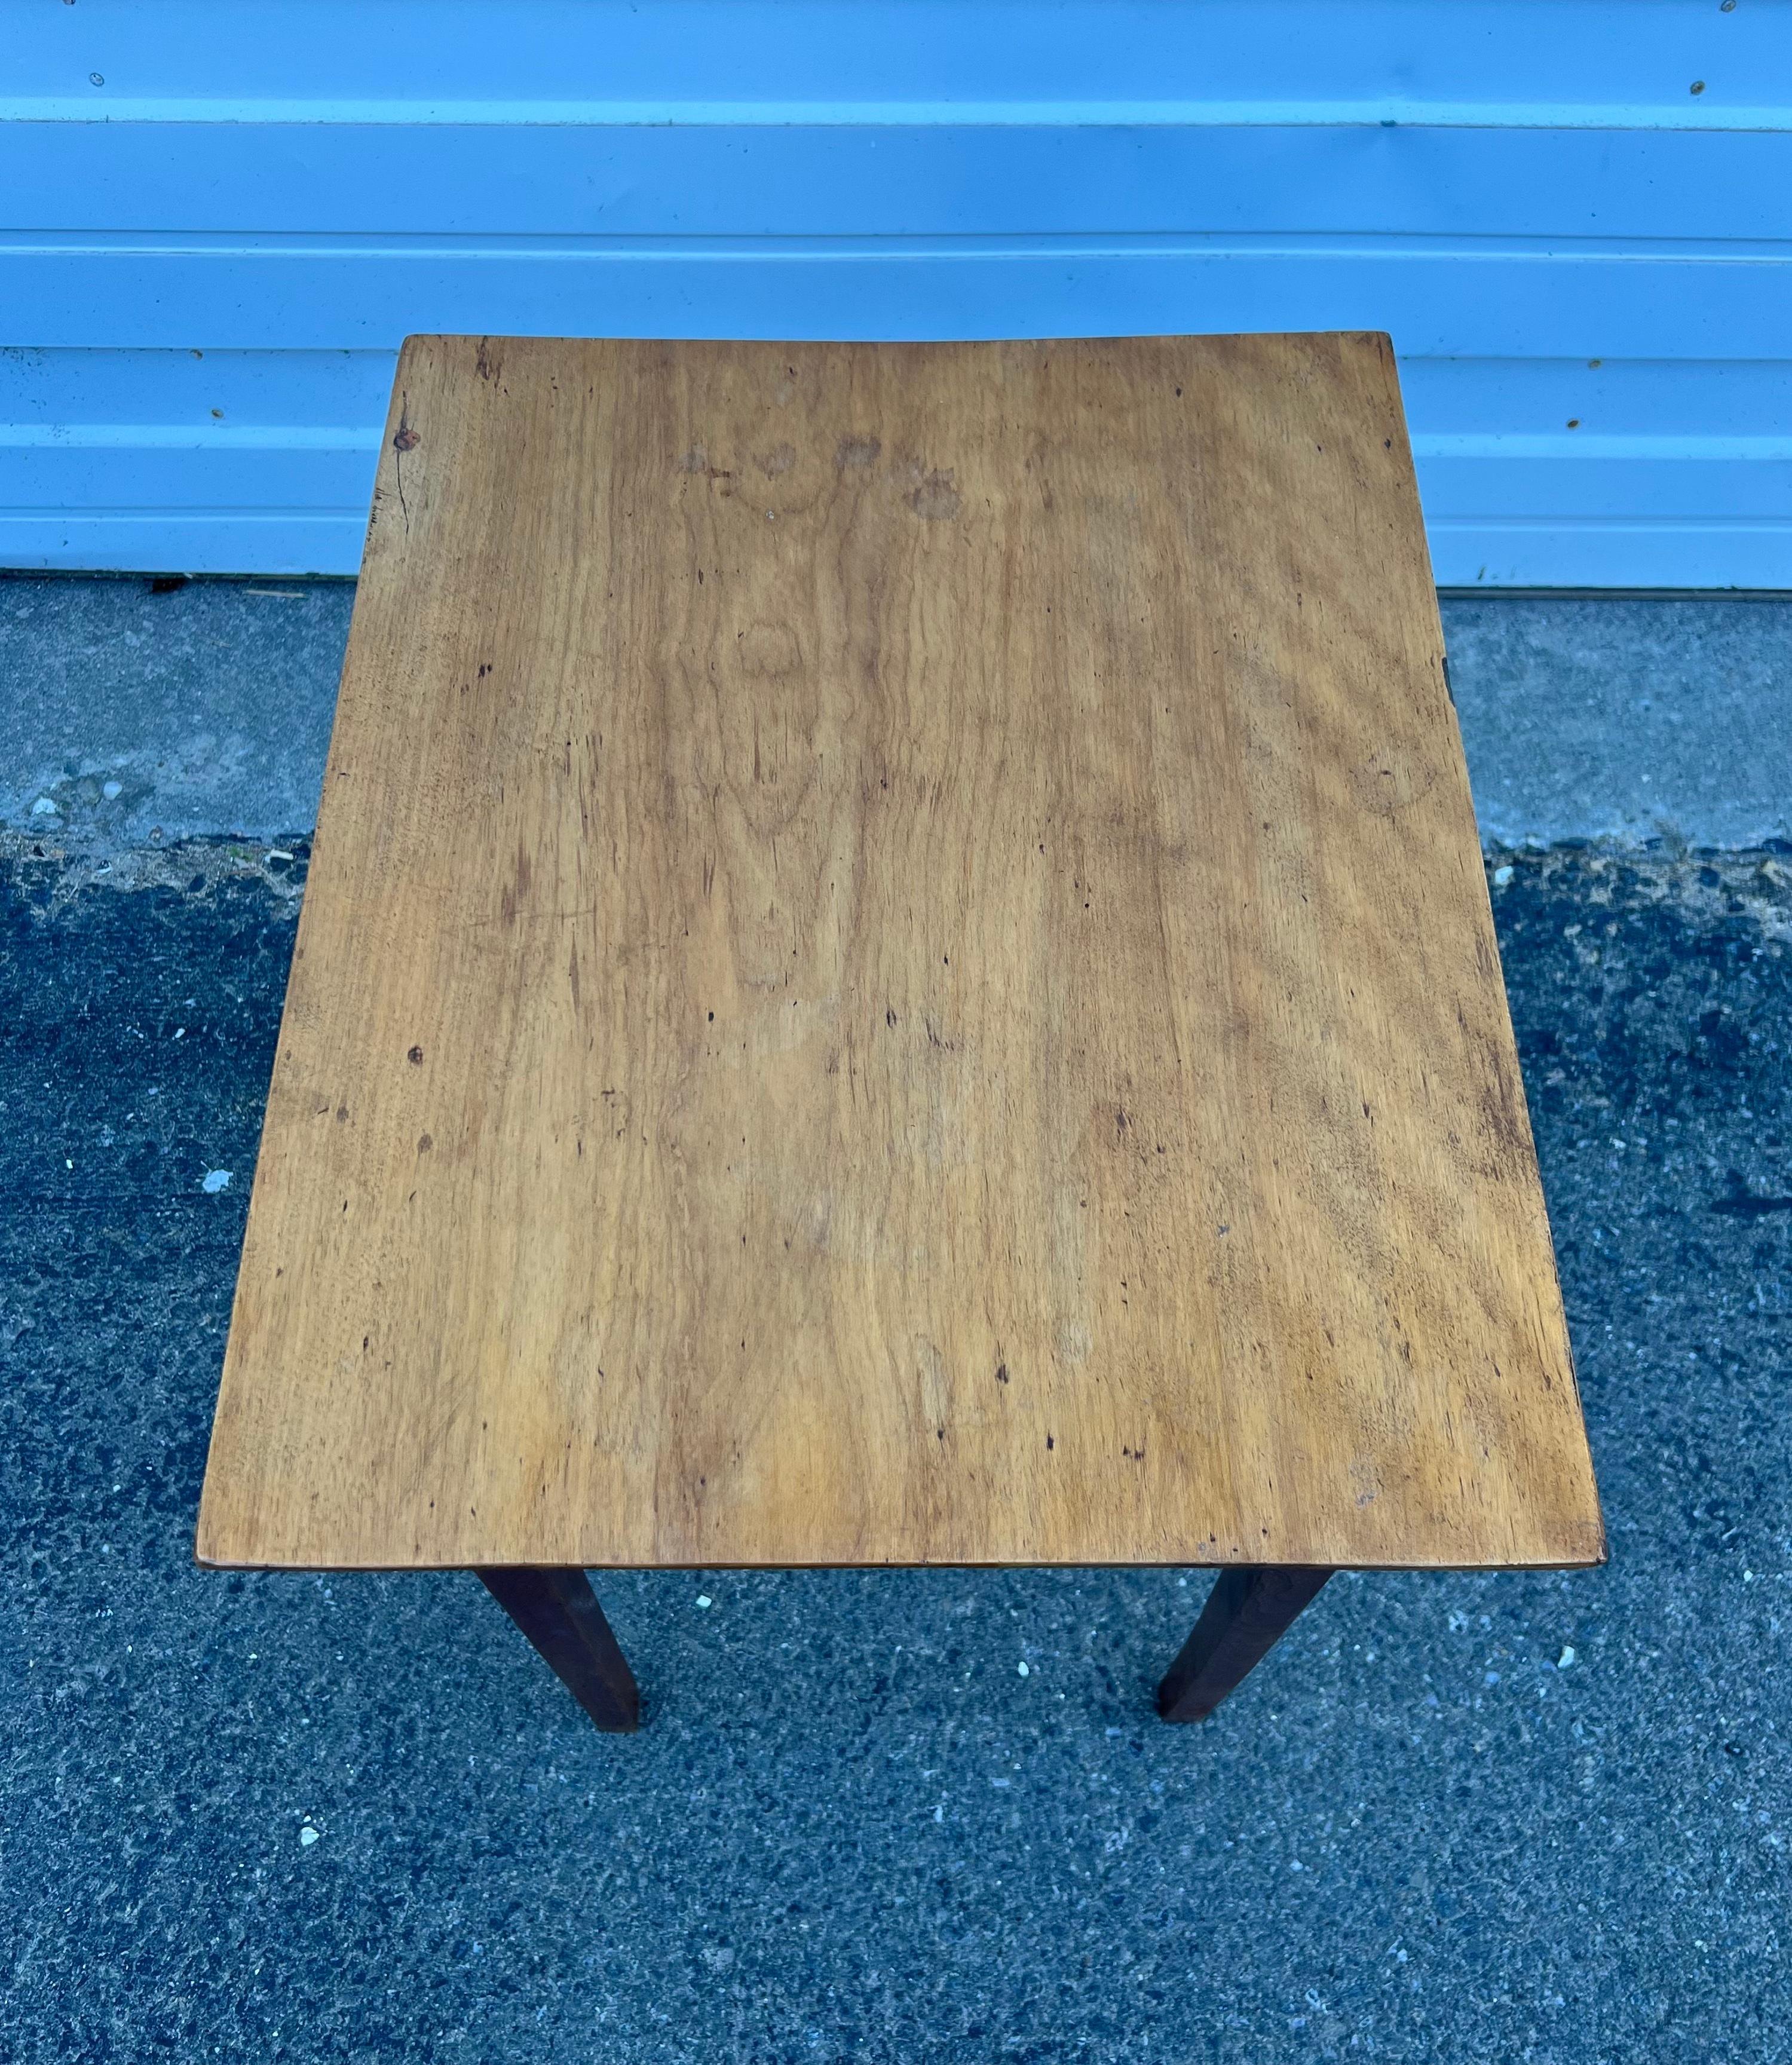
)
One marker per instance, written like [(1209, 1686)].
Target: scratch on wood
[(404, 439)]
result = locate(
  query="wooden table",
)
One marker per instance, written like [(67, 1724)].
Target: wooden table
[(897, 970)]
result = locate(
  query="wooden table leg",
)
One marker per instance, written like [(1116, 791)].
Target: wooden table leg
[(1250, 1606), (559, 1612)]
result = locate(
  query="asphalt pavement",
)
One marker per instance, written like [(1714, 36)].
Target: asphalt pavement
[(1535, 1817)]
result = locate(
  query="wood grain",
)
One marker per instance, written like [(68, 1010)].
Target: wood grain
[(897, 969)]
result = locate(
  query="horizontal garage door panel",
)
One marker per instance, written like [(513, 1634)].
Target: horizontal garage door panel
[(217, 223)]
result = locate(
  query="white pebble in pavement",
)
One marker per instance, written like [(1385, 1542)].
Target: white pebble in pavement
[(307, 1837), (1565, 1658), (1502, 876), (703, 1600), (1025, 1672), (216, 1180)]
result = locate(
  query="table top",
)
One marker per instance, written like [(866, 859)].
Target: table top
[(897, 969)]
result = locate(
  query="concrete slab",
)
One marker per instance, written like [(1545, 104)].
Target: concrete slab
[(130, 717), (1628, 720)]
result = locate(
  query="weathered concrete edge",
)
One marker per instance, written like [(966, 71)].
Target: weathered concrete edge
[(131, 719)]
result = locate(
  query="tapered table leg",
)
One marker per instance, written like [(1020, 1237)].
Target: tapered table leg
[(1249, 1608), (559, 1612)]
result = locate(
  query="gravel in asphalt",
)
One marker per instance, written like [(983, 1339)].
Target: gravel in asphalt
[(1535, 1817)]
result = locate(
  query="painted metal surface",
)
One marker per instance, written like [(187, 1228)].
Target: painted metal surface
[(208, 257)]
